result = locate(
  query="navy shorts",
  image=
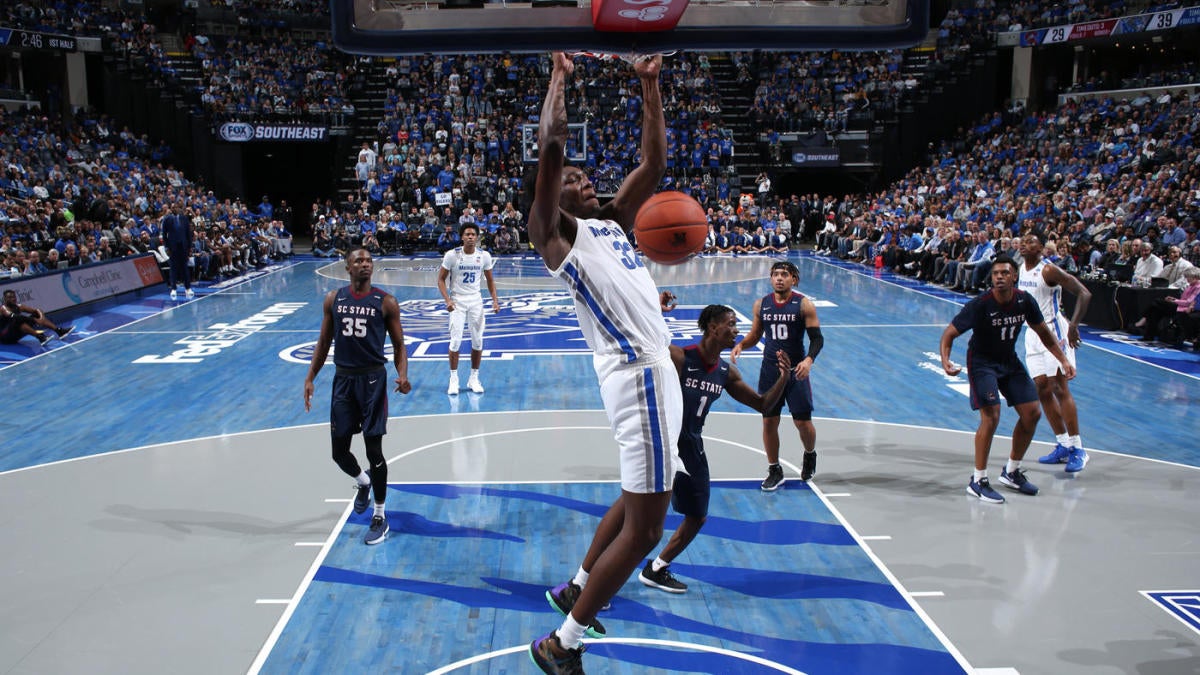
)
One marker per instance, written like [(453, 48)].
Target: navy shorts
[(689, 494), (990, 379), (797, 394), (359, 403)]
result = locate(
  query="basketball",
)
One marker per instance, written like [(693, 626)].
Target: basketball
[(670, 228)]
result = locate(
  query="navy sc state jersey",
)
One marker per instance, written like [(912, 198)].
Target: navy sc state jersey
[(783, 328), (358, 328), (994, 326), (702, 384)]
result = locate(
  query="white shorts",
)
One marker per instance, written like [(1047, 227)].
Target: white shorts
[(645, 409), (1038, 360), (471, 315)]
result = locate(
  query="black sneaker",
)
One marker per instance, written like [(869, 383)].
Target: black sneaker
[(362, 497), (42, 336), (774, 478), (662, 579), (809, 468), (377, 532), (64, 332), (563, 596), (544, 655)]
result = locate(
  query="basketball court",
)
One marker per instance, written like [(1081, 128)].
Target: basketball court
[(171, 507)]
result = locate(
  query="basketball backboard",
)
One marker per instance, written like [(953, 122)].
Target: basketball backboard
[(392, 27)]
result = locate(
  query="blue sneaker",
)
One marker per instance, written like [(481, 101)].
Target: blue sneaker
[(1017, 481), (377, 532), (983, 490), (1077, 460), (1057, 456), (362, 497), (563, 596)]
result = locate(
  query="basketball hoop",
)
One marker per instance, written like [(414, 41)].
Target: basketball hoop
[(628, 57)]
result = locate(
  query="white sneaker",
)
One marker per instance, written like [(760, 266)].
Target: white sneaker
[(174, 295), (474, 385), (453, 388), (189, 293)]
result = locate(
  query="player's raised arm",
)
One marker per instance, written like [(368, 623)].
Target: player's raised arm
[(752, 336), (321, 349), (545, 217), (642, 182)]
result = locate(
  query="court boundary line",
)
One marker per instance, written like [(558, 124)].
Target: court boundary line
[(307, 580), (694, 646), (235, 434), (938, 634)]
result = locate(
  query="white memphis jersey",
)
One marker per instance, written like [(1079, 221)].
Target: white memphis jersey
[(616, 301), (466, 271), (1049, 300)]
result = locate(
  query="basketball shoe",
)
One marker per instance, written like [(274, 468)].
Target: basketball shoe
[(1076, 460), (452, 388), (474, 385), (662, 579), (1057, 456), (362, 497), (563, 596), (774, 478), (545, 656), (377, 532), (809, 468), (983, 490), (1017, 481)]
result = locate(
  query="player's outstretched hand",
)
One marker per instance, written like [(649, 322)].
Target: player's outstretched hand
[(403, 385), (785, 363), (648, 67), (667, 300)]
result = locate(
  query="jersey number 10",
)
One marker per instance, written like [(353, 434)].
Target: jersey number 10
[(779, 331)]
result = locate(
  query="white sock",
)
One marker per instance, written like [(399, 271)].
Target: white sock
[(570, 634), (1076, 442), (379, 509), (581, 578), (658, 564), (1011, 466), (362, 479), (980, 474), (1063, 439)]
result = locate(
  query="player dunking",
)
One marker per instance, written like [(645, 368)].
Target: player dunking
[(784, 317), (355, 319), (993, 368), (704, 375), (586, 246), (458, 281), (1045, 282)]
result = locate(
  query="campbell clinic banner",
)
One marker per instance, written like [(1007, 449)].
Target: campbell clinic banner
[(817, 156), (244, 132), (88, 283)]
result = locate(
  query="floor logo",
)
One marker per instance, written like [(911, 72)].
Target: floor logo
[(223, 336), (1183, 605), (527, 324)]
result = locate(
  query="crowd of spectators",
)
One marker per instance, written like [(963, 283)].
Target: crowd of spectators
[(1104, 181), (273, 78), (96, 192)]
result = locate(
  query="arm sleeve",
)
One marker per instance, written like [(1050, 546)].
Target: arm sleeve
[(815, 342)]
